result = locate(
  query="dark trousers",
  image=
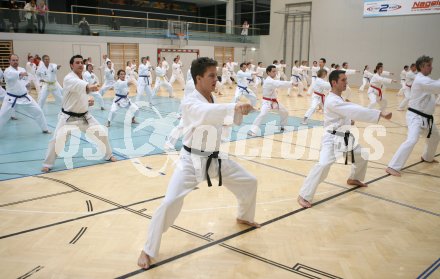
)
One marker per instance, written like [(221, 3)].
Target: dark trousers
[(41, 23)]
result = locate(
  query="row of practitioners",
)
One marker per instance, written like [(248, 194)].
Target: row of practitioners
[(197, 165), (200, 159)]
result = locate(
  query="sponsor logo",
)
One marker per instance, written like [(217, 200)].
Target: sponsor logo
[(383, 8), (417, 5)]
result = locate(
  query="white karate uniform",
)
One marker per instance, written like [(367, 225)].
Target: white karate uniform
[(366, 78), (303, 74), (109, 80), (162, 81), (2, 90), (271, 104), (337, 117), (374, 94), (50, 85), (347, 92), (296, 79), (121, 100), (243, 88), (129, 76), (166, 67), (320, 86), (314, 71), (75, 100), (134, 71), (31, 69), (191, 167), (17, 96), (260, 76), (91, 78), (226, 76), (402, 82), (230, 66), (177, 74), (189, 85), (409, 79), (282, 72), (144, 83), (424, 91)]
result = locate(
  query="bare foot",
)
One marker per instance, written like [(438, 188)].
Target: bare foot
[(252, 224), (144, 260), (393, 172), (303, 202), (356, 182), (45, 169), (47, 132), (433, 161), (112, 159)]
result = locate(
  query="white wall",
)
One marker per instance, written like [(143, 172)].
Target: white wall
[(61, 47), (340, 33)]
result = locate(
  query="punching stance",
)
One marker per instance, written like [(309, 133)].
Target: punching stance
[(200, 114), (338, 116)]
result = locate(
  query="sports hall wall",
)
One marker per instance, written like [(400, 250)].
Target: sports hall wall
[(61, 47), (339, 32)]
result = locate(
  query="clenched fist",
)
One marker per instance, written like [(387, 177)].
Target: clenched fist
[(244, 108)]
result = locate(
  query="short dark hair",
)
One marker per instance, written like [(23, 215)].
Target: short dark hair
[(275, 61), (242, 64), (323, 60), (321, 73), (259, 63), (48, 56), (108, 62), (120, 72), (296, 61), (422, 60), (413, 65), (344, 63), (334, 76), (269, 68), (88, 66), (405, 67), (332, 65), (199, 66), (71, 59)]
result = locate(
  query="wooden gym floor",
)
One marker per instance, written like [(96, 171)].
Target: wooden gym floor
[(91, 221)]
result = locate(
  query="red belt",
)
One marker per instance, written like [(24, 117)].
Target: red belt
[(272, 100), (378, 89), (322, 96)]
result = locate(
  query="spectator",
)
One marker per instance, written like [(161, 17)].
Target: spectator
[(30, 9), (245, 30), (41, 14), (84, 26), (13, 16), (2, 22), (114, 24)]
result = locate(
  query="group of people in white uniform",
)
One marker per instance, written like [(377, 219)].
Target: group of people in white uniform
[(200, 158)]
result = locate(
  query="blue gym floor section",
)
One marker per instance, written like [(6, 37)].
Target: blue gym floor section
[(23, 146)]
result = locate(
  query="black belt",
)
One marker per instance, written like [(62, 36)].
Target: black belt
[(148, 80), (212, 155), (346, 137), (74, 114), (17, 97), (430, 119), (120, 97)]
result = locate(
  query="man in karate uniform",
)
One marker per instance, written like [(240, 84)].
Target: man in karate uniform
[(296, 79), (403, 74), (176, 73), (109, 78), (17, 96), (338, 116), (144, 81), (31, 69), (231, 65), (47, 72), (243, 77), (161, 81), (270, 102), (74, 114), (200, 159), (419, 119), (320, 89), (409, 79)]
